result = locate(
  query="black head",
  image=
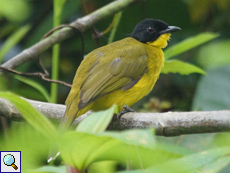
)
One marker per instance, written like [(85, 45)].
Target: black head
[(149, 30)]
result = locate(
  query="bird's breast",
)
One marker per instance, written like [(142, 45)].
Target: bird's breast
[(155, 63)]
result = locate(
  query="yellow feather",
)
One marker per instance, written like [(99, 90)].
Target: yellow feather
[(128, 97), (140, 89), (161, 41)]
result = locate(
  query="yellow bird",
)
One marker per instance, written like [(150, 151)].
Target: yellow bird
[(119, 73)]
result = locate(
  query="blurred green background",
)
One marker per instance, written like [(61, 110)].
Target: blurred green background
[(23, 23)]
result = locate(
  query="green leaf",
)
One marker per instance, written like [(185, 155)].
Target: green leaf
[(177, 149), (51, 169), (176, 66), (81, 154), (35, 118), (216, 166), (103, 167), (192, 162), (13, 40), (97, 121), (124, 146), (35, 85), (200, 161), (188, 44), (33, 145), (144, 138), (221, 139)]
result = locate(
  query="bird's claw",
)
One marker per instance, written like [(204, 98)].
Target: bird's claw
[(125, 110)]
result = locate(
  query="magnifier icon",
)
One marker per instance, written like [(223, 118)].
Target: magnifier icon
[(9, 160)]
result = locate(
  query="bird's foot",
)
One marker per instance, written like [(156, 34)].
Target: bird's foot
[(125, 110)]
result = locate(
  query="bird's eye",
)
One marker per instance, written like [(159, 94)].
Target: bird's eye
[(150, 29)]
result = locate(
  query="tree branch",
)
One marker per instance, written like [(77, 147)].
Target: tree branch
[(166, 124), (81, 24)]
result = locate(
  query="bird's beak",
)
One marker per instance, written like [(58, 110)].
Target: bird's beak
[(170, 29)]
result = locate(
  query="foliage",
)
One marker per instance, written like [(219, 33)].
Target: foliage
[(176, 66), (188, 44), (23, 23), (206, 161), (35, 85), (102, 119), (183, 68), (137, 149), (62, 9), (31, 115)]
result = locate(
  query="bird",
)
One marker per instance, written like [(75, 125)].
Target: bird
[(120, 73)]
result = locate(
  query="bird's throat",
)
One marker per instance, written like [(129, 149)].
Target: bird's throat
[(161, 42)]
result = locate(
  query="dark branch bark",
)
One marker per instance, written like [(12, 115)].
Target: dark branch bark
[(81, 24), (166, 124)]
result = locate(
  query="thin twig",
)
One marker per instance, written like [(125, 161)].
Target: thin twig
[(43, 67), (39, 75)]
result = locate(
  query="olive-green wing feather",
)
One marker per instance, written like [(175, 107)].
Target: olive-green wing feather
[(128, 65)]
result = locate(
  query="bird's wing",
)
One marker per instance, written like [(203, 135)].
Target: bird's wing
[(120, 69)]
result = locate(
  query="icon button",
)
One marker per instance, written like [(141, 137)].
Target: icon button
[(10, 161)]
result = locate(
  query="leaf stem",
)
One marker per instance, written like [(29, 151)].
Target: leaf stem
[(58, 5), (116, 21)]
